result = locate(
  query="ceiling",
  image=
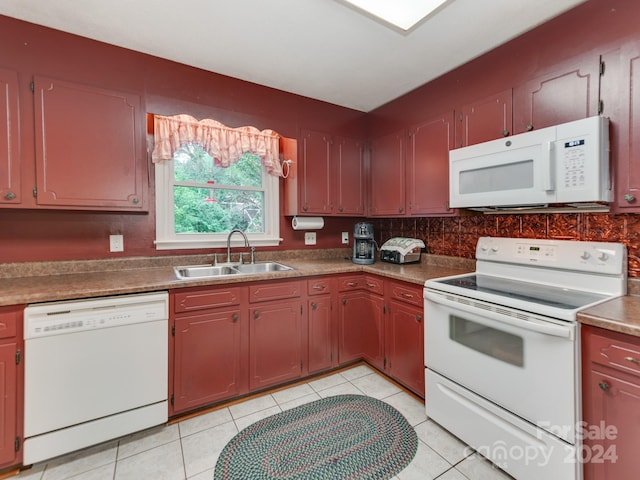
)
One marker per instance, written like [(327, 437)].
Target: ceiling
[(321, 49)]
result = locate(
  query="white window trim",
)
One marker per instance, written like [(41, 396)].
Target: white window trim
[(167, 239)]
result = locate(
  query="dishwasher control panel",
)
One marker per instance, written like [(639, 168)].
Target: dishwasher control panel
[(58, 318)]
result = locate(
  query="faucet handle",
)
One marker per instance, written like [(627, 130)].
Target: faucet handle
[(215, 259), (241, 258), (253, 253)]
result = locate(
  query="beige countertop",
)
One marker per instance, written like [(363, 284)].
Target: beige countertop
[(620, 315), (70, 280)]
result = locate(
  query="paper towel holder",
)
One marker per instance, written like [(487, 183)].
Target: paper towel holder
[(307, 223)]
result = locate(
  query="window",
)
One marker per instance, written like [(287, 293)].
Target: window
[(198, 201)]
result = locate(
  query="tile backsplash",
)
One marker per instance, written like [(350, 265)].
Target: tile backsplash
[(457, 236)]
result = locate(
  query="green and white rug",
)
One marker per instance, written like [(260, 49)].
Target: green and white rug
[(341, 437)]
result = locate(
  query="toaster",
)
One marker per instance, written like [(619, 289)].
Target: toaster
[(401, 250)]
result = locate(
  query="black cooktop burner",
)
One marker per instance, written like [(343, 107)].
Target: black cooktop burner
[(551, 296)]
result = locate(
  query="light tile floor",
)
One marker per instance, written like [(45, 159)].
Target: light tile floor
[(189, 449)]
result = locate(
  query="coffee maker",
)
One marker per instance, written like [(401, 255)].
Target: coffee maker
[(364, 246)]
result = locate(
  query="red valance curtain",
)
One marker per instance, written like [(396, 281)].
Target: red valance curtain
[(226, 145)]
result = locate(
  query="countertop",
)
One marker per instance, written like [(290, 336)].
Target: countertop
[(620, 315), (70, 280)]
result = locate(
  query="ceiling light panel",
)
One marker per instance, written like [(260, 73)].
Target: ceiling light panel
[(403, 14)]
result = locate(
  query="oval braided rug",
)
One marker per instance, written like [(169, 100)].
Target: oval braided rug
[(340, 437)]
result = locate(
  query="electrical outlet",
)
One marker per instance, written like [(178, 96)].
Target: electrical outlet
[(345, 238), (309, 238), (116, 243)]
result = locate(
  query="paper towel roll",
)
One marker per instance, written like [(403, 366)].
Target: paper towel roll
[(307, 223)]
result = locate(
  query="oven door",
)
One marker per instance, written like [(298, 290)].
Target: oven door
[(522, 362)]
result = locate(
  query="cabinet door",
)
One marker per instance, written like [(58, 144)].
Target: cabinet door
[(275, 343), (387, 178), (428, 166), (8, 403), (315, 173), (360, 328), (209, 358), (348, 161), (405, 345), (10, 192), (621, 99), (486, 119), (570, 93), (320, 334), (89, 147), (613, 411)]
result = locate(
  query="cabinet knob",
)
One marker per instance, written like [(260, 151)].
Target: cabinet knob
[(529, 127), (305, 208), (400, 209), (340, 209), (314, 305), (344, 301), (10, 196), (136, 200), (505, 133), (419, 318), (256, 314), (629, 197), (604, 386), (234, 317)]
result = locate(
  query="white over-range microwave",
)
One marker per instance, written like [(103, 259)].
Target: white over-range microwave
[(565, 165)]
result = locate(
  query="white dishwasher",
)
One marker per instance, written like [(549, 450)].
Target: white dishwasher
[(94, 370)]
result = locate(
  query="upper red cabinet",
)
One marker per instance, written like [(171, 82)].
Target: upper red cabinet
[(568, 93), (427, 166), (89, 151), (386, 177), (10, 191), (486, 119), (329, 179)]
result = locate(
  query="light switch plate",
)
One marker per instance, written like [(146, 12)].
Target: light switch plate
[(116, 243), (309, 238), (345, 238)]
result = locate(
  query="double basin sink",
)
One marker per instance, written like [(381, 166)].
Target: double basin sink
[(205, 271)]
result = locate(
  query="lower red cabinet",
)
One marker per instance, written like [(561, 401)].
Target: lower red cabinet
[(405, 345), (275, 343), (361, 328), (209, 359), (11, 385)]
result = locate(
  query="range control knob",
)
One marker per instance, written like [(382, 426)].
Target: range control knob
[(585, 256), (494, 248), (603, 256)]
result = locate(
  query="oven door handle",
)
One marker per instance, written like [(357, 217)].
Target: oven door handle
[(533, 324)]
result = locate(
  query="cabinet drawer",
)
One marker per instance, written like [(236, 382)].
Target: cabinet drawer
[(207, 298), (351, 282), (273, 291), (616, 353), (10, 317), (406, 293), (318, 286), (374, 284)]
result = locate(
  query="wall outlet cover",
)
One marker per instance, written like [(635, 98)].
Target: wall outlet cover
[(116, 243), (345, 238), (309, 238)]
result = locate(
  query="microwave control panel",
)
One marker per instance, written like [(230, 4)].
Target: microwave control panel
[(573, 163)]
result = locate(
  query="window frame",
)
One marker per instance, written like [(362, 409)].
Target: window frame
[(168, 239)]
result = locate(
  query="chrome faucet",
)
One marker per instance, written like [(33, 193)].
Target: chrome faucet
[(246, 244)]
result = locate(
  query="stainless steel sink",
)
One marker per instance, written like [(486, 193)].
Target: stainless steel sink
[(262, 267), (204, 271), (197, 271)]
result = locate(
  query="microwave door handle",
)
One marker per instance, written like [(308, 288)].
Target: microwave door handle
[(546, 328), (548, 169)]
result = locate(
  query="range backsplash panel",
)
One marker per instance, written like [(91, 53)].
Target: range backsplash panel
[(457, 236)]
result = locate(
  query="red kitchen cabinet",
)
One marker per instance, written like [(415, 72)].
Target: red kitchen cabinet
[(329, 179), (361, 321), (321, 336), (427, 166), (209, 362), (11, 385), (89, 147), (620, 93), (571, 92), (276, 333), (611, 404), (209, 346), (10, 188), (486, 119), (275, 343), (387, 176), (404, 335)]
